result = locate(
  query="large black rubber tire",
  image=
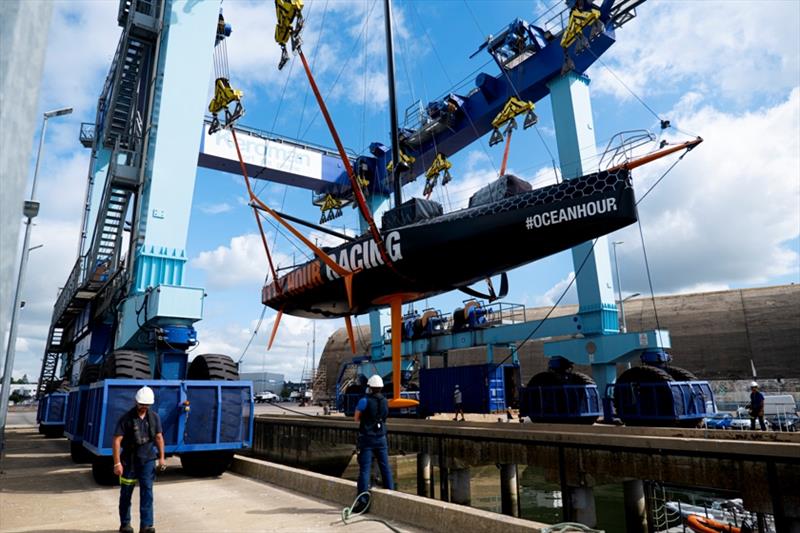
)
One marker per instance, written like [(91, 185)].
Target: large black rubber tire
[(103, 471), (663, 398), (126, 364), (51, 432), (680, 374), (212, 366), (206, 464), (545, 379), (553, 379), (89, 374), (79, 454)]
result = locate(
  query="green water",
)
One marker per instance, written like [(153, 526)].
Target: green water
[(539, 500)]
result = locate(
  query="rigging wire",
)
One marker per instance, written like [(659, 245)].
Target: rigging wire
[(450, 81), (255, 332), (344, 66), (583, 263)]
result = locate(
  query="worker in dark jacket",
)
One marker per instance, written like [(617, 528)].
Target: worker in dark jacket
[(136, 438), (756, 407), (371, 413)]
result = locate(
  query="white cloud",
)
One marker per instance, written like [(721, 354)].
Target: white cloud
[(738, 50), (242, 262), (216, 209), (725, 213), (552, 295), (290, 353)]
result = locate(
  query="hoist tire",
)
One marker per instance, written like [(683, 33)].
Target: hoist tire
[(662, 399), (103, 471), (51, 431), (214, 367), (579, 378), (126, 364), (545, 379), (680, 374), (89, 374), (79, 454), (206, 464)]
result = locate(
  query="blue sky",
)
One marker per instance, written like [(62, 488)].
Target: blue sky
[(728, 216)]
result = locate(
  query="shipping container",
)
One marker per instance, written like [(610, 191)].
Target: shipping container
[(51, 413), (487, 388), (195, 415)]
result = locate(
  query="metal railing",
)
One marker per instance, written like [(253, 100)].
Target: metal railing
[(70, 288)]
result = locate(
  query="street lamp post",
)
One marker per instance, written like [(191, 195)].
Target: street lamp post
[(624, 327), (30, 209)]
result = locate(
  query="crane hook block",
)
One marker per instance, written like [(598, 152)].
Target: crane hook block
[(440, 165), (578, 20), (513, 108), (224, 95), (289, 26)]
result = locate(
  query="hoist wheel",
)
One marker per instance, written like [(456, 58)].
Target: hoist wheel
[(211, 366), (103, 470), (89, 374), (126, 364), (78, 453), (680, 374)]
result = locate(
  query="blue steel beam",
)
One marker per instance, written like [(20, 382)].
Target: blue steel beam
[(298, 164)]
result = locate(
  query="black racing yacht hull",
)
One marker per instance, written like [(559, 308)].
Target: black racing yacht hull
[(453, 250)]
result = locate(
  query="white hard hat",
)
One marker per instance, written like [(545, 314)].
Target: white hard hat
[(456, 386), (375, 382), (145, 396), (753, 384)]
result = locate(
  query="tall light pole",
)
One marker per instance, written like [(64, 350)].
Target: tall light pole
[(30, 209), (624, 327)]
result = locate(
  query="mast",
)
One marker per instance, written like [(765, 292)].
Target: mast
[(387, 12)]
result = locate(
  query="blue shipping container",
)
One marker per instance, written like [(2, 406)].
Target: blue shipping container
[(483, 387), (219, 416), (52, 409)]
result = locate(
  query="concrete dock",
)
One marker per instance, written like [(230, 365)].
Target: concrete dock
[(41, 489)]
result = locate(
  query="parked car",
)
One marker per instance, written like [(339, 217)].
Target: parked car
[(784, 423), (267, 396), (719, 421), (740, 422)]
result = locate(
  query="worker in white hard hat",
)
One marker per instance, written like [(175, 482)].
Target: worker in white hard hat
[(371, 413), (138, 440), (458, 403), (756, 407)]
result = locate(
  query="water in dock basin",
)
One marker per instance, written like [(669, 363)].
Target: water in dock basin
[(539, 500)]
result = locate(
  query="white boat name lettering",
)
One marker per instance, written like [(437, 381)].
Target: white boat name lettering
[(365, 254), (589, 209)]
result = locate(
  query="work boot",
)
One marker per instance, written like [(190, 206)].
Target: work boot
[(147, 529), (125, 528)]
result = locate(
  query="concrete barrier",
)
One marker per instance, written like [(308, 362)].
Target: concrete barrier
[(425, 513)]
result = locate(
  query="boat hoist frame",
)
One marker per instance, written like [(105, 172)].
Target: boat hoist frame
[(510, 49)]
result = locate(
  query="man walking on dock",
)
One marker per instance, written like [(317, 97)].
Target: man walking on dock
[(756, 407), (371, 413), (458, 401), (136, 437)]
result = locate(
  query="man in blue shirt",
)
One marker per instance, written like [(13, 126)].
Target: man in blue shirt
[(756, 407), (136, 437), (371, 413)]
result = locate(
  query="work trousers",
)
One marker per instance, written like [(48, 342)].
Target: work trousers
[(365, 454), (144, 473), (760, 421)]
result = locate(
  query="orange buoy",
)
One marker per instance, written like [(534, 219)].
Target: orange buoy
[(702, 524)]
